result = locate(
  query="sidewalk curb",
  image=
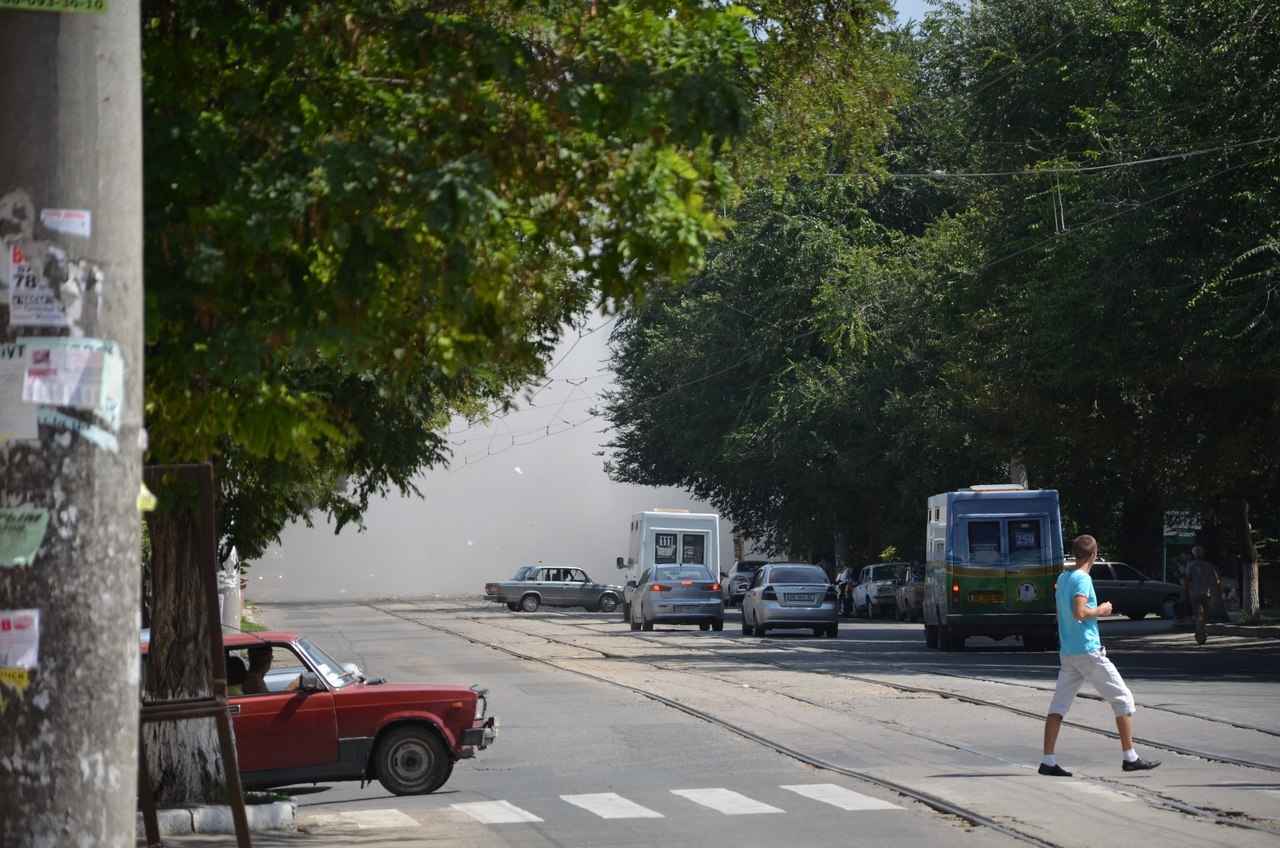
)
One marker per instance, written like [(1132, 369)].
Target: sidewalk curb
[(1261, 631), (216, 818)]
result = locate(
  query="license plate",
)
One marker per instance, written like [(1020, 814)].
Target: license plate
[(987, 597), (689, 606), (808, 599)]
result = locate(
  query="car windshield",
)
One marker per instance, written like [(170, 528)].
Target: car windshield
[(682, 573), (748, 567), (887, 572), (797, 574), (334, 674)]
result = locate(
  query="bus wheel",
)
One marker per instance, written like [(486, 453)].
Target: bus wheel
[(951, 640), (931, 635)]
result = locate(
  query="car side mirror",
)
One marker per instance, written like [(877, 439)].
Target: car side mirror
[(308, 682), (620, 562)]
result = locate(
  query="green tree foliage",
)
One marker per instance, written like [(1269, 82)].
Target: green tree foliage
[(1017, 294), (364, 216)]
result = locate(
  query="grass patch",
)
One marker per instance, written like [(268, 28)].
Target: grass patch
[(248, 626)]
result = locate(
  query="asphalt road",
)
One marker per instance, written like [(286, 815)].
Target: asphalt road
[(584, 758), (565, 738)]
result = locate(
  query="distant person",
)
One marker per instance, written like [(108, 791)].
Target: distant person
[(1082, 658), (1201, 585)]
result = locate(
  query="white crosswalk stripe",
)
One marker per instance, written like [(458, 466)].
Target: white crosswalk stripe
[(838, 796), (726, 801), (610, 805), (496, 812)]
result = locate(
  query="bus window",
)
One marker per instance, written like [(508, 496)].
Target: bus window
[(664, 548), (1024, 542), (984, 541), (694, 549)]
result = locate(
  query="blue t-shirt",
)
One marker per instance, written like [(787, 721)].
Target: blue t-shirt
[(1076, 637)]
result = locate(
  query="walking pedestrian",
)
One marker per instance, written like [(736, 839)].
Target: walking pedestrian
[(1082, 657), (1201, 584)]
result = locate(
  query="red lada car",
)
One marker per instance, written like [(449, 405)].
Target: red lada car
[(302, 717)]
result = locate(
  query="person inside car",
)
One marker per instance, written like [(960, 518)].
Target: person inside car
[(235, 676), (255, 681)]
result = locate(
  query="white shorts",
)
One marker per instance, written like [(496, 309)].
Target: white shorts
[(1098, 670)]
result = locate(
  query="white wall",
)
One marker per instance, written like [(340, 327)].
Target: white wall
[(546, 498)]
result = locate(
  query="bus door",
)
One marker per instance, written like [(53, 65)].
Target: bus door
[(1029, 583)]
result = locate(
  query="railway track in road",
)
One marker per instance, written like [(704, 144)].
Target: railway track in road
[(934, 802)]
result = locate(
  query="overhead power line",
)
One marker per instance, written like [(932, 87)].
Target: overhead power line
[(1079, 169)]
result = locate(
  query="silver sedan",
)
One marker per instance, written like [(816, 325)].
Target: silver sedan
[(785, 595), (677, 594)]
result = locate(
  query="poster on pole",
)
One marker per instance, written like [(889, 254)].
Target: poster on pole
[(97, 6), (17, 419), (80, 373), (22, 530), (19, 638), (32, 301)]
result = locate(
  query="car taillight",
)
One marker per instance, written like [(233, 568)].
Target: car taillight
[(831, 593), (768, 594), (955, 588), (714, 587), (658, 587)]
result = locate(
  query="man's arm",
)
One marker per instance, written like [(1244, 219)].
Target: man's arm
[(1080, 612)]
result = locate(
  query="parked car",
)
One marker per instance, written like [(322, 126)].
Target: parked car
[(875, 592), (736, 586), (786, 595), (677, 594), (553, 586), (317, 720), (1132, 593), (910, 594)]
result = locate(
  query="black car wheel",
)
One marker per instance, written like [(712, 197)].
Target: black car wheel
[(747, 629), (704, 626), (412, 761), (718, 625), (530, 603), (608, 603)]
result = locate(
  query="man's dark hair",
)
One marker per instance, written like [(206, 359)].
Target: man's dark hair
[(1084, 547)]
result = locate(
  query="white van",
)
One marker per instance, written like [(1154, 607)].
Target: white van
[(669, 537)]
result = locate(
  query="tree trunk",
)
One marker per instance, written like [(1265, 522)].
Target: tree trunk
[(70, 139), (1250, 603), (183, 757)]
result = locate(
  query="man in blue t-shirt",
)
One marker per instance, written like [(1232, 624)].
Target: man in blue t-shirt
[(1082, 658)]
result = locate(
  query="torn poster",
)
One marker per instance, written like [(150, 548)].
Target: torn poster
[(32, 301), (100, 437), (19, 638), (22, 529), (17, 419), (79, 373), (72, 222)]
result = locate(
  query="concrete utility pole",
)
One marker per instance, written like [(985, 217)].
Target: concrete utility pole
[(70, 421)]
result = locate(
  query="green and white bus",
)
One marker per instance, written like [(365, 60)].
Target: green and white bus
[(994, 553)]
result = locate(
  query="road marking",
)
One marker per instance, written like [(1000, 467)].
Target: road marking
[(610, 805), (726, 801), (496, 812), (363, 819), (1101, 791), (838, 796)]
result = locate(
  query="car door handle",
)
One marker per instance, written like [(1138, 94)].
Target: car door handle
[(233, 709)]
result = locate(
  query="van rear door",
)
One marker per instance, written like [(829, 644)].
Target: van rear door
[(1029, 585), (982, 577)]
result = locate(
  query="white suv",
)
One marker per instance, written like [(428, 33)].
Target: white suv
[(876, 591)]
